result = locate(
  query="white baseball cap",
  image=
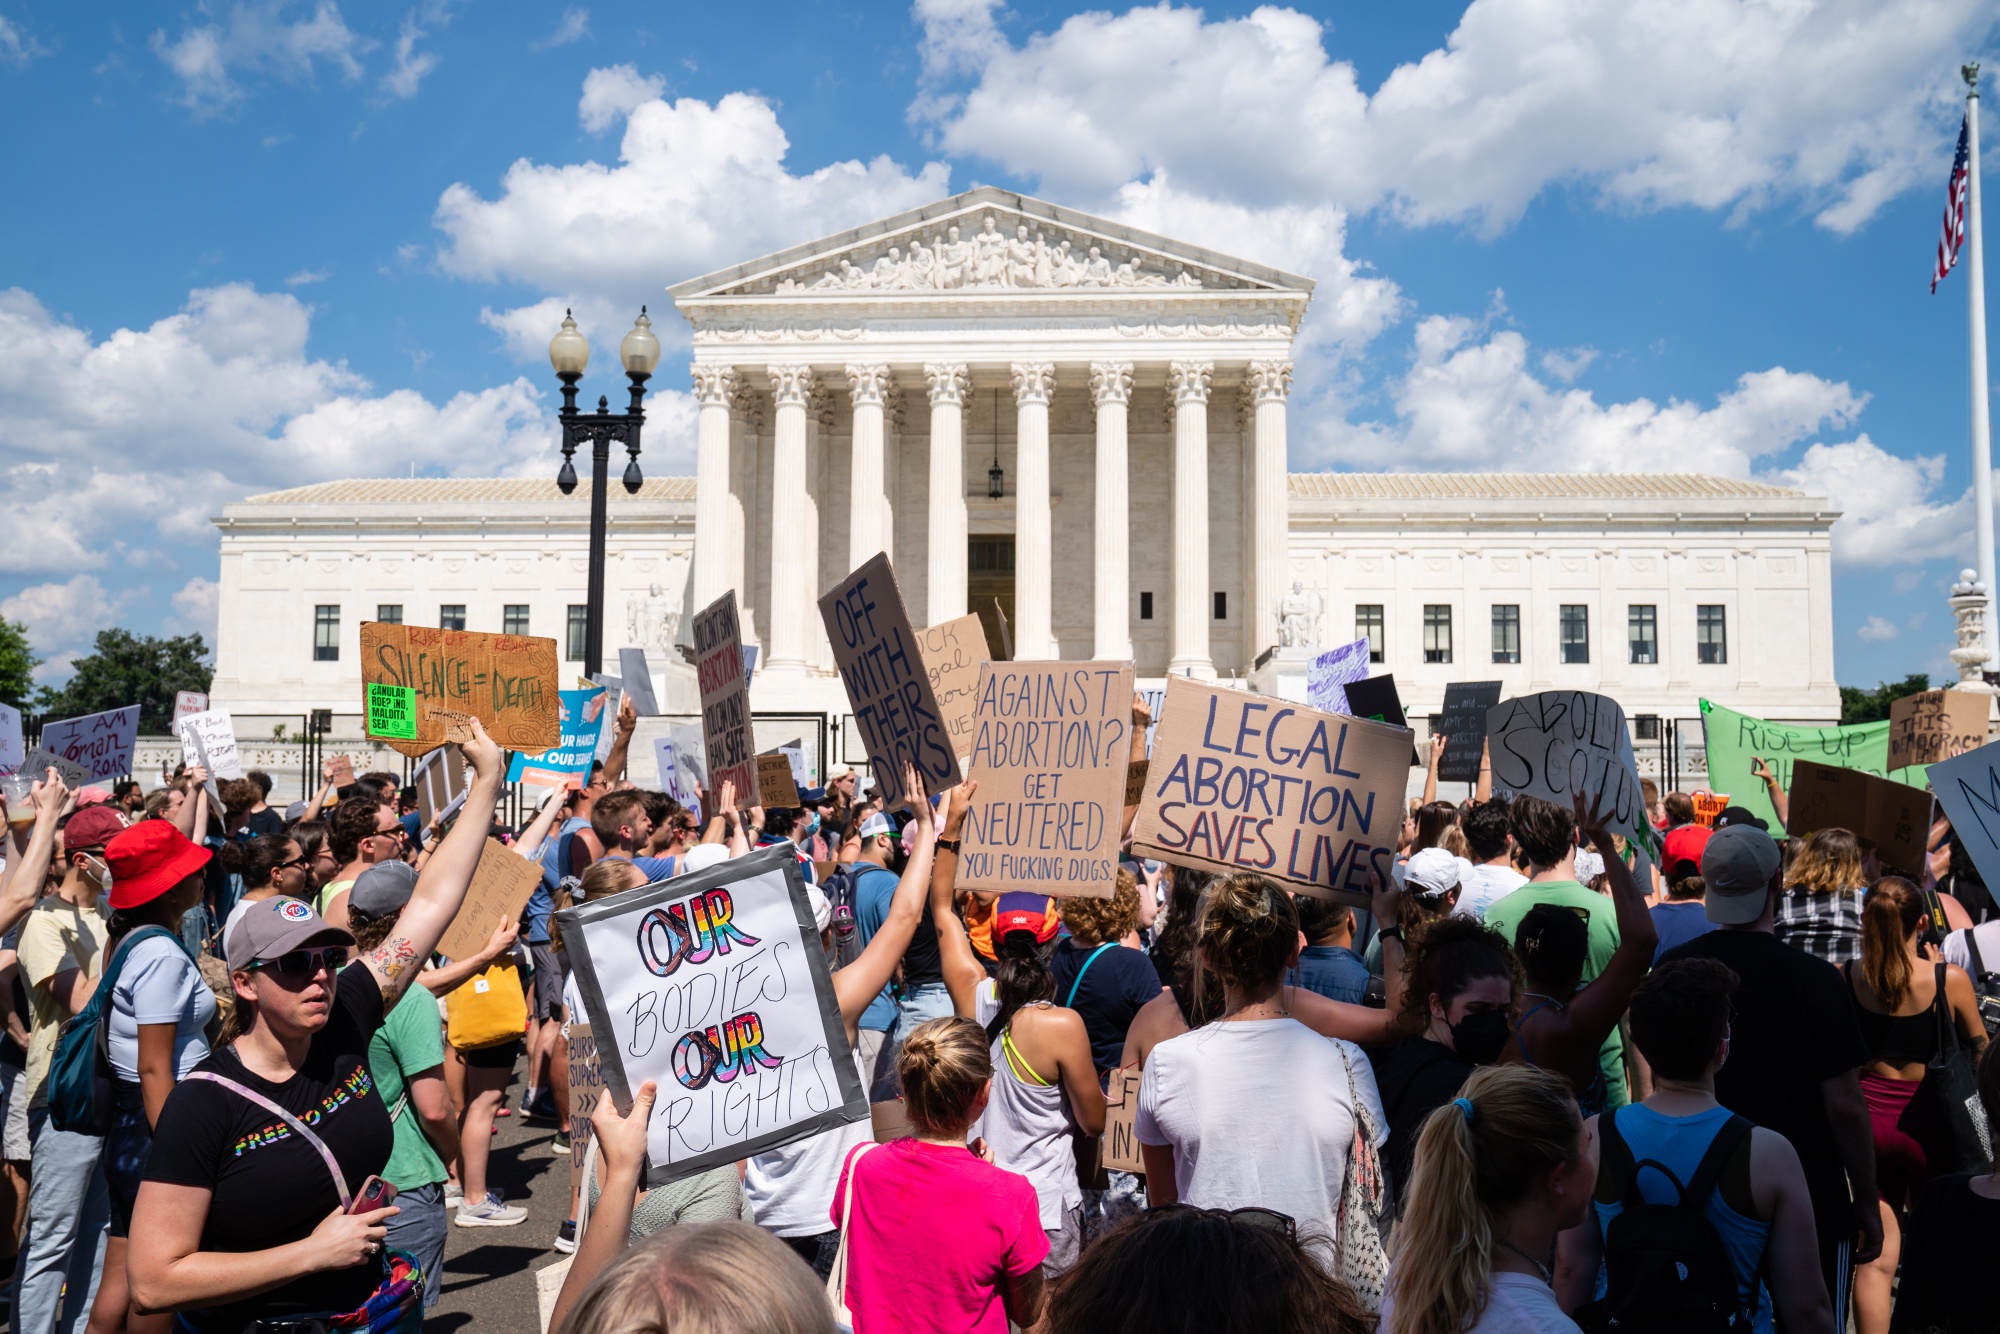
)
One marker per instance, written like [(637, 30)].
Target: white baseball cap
[(1430, 873)]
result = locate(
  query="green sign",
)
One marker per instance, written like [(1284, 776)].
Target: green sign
[(1736, 741), (392, 712)]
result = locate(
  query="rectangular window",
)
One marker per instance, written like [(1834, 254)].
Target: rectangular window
[(514, 619), (1711, 633), (1506, 632), (451, 616), (1575, 632), (1368, 626), (326, 633), (1437, 632), (389, 613), (1145, 606), (1222, 606), (1642, 628), (579, 630)]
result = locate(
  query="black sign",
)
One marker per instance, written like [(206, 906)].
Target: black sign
[(1376, 698), (1463, 725)]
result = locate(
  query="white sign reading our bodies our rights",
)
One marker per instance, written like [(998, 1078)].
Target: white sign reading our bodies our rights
[(210, 738), (715, 986)]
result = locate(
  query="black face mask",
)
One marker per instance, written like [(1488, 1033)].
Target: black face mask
[(1480, 1036)]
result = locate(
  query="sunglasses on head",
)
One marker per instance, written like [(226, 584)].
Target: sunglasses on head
[(304, 963), (1267, 1220)]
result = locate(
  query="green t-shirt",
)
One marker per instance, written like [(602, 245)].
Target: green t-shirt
[(1505, 917), (410, 1041)]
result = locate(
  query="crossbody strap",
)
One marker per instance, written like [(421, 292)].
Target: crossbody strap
[(332, 1163), (1071, 1001)]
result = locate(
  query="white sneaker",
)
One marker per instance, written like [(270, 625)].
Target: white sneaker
[(454, 1193), (490, 1212)]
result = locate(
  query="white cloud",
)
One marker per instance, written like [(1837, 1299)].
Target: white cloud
[(64, 616), (1875, 630), (306, 277), (257, 38), (613, 93), (1890, 510), (574, 26), (1836, 105), (411, 65), (197, 606), (17, 49)]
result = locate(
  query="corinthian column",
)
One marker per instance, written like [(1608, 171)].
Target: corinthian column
[(1270, 528), (868, 511), (1034, 565), (1189, 385), (949, 384), (792, 584), (1111, 386), (713, 386)]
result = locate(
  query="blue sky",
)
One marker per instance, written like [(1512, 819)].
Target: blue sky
[(257, 245)]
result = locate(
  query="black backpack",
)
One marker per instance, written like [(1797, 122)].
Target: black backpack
[(1985, 985), (1666, 1267)]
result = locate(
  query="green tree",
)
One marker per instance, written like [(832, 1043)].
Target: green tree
[(128, 669), (1872, 706), (17, 665)]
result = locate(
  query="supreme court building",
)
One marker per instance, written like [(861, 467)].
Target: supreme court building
[(1076, 430)]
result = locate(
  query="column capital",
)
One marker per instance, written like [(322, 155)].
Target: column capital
[(819, 403), (713, 385), (1270, 381), (747, 406), (867, 384), (791, 385), (1189, 380), (1111, 382), (1034, 381), (949, 383)]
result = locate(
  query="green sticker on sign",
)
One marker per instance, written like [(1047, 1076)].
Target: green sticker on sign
[(392, 712)]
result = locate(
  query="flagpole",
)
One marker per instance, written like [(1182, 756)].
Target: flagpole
[(1982, 426)]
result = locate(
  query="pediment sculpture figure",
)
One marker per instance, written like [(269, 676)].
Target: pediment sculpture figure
[(990, 259)]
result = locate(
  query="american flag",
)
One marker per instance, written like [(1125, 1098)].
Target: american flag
[(1954, 205)]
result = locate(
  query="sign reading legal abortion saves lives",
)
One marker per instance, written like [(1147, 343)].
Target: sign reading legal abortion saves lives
[(1242, 782), (725, 697), (1051, 743), (714, 985), (1559, 743), (413, 674), (887, 683), (100, 743)]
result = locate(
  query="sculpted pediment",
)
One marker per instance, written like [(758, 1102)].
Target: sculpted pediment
[(989, 241)]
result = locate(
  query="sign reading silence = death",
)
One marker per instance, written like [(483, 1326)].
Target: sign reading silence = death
[(414, 679), (1242, 782)]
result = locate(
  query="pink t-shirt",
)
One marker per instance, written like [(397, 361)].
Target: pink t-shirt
[(934, 1234)]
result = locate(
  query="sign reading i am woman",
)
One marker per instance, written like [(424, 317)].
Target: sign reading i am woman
[(715, 986)]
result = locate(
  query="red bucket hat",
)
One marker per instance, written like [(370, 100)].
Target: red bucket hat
[(149, 859)]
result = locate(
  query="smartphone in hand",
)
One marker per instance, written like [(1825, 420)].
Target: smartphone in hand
[(375, 1193)]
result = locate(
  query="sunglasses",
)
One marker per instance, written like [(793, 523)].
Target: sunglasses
[(304, 963), (1267, 1220), (296, 861)]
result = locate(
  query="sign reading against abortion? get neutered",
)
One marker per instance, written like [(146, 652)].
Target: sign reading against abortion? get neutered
[(1051, 742), (1242, 782), (887, 683)]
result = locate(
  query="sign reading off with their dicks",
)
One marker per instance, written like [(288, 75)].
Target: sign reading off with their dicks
[(887, 683), (1051, 742), (715, 986), (1242, 782), (411, 673)]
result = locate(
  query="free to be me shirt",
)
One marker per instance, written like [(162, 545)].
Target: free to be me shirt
[(159, 984), (975, 1226)]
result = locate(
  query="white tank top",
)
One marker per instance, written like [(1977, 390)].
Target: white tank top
[(1027, 1125), (791, 1188)]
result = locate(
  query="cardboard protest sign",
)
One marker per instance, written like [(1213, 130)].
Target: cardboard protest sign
[(1561, 742), (188, 702), (952, 652), (637, 676), (887, 684), (1463, 725), (508, 682), (1708, 807), (101, 742), (715, 986), (13, 749), (1135, 782), (217, 737), (725, 697), (1895, 817), (1243, 782), (440, 783), (500, 889), (1328, 675), (37, 763), (775, 789), (340, 771), (586, 1086), (1735, 741), (1936, 725), (1968, 792), (566, 764), (1050, 749), (1118, 1149)]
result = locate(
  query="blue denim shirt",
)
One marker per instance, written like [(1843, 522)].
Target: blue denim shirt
[(1334, 971)]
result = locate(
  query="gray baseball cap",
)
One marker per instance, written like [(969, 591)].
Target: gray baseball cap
[(1737, 866), (382, 889), (276, 926)]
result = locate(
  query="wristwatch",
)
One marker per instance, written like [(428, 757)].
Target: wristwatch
[(948, 844)]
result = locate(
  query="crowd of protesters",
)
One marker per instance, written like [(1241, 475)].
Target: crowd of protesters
[(1540, 1081)]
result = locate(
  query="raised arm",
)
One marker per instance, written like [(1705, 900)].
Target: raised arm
[(858, 983), (529, 844), (25, 872), (1431, 769), (1593, 1012), (1142, 718), (962, 970), (1779, 802), (442, 885), (1484, 790), (444, 980), (193, 814), (621, 740), (717, 830)]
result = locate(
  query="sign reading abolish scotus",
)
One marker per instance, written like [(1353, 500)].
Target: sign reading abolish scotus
[(1242, 782), (715, 986), (1561, 743), (1050, 745)]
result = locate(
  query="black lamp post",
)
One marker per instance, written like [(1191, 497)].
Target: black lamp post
[(569, 353)]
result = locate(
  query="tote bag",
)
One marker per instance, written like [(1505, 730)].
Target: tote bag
[(487, 1009)]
